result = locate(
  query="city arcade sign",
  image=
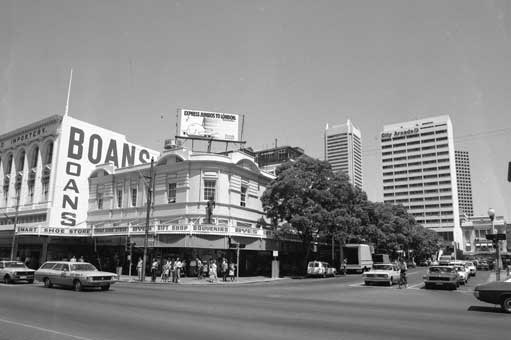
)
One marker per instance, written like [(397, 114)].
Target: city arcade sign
[(400, 133)]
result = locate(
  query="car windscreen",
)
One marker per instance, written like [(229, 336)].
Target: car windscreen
[(441, 270), (382, 267), (82, 267), (14, 265)]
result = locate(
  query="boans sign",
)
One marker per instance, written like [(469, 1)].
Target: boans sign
[(82, 147)]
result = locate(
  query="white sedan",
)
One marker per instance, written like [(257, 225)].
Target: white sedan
[(386, 273), (471, 266)]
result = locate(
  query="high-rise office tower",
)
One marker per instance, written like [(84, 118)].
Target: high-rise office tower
[(343, 150), (419, 172), (464, 182)]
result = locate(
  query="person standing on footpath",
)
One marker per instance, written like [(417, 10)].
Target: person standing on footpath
[(154, 268), (178, 266), (231, 271), (224, 269), (199, 269), (213, 272), (140, 263)]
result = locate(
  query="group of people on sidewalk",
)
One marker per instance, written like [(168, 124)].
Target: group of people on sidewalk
[(171, 270)]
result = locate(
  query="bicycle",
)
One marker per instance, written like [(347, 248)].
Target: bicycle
[(402, 279)]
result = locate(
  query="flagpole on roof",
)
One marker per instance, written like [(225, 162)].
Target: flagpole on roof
[(66, 112)]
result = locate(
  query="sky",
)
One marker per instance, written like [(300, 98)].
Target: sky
[(290, 67)]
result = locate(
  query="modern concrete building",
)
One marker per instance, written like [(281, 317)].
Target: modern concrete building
[(343, 150), (419, 172), (44, 169), (464, 182), (475, 229)]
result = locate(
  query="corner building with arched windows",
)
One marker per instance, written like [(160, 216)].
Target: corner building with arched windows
[(44, 171), (184, 180)]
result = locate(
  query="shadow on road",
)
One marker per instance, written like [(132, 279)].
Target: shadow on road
[(485, 309)]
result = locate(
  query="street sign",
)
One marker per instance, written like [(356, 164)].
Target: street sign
[(496, 237), (275, 253)]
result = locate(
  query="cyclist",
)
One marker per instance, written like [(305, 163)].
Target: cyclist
[(402, 273)]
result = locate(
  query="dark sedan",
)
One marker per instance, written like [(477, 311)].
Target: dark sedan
[(498, 293)]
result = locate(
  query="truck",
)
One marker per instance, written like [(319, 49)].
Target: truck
[(357, 257)]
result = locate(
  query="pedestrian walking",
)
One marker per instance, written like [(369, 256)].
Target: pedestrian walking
[(213, 277), (231, 271), (205, 269), (224, 269), (199, 268), (73, 259), (140, 263), (81, 259), (344, 266)]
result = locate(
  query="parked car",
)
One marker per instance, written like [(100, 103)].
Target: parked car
[(497, 293), (483, 265), (471, 267), (386, 273), (77, 275), (321, 269), (15, 271), (444, 260), (441, 276)]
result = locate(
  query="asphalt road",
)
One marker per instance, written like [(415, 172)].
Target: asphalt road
[(336, 308)]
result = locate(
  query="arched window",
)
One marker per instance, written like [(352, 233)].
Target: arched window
[(8, 165), (35, 157), (49, 153), (21, 161)]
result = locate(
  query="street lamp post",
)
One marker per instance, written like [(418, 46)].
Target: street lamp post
[(491, 215)]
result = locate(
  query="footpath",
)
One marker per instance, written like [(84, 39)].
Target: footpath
[(195, 281), (503, 276)]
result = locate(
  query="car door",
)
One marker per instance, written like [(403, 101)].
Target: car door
[(55, 273), (65, 275)]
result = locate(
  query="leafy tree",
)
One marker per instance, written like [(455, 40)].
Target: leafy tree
[(308, 199)]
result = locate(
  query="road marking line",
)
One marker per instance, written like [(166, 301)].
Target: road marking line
[(44, 329), (418, 284)]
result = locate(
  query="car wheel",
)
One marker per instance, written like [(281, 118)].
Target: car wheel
[(77, 286), (392, 281), (30, 281), (506, 304), (7, 279), (107, 287), (454, 287), (427, 286), (47, 283)]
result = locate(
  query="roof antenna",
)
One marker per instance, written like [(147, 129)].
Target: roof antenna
[(68, 93)]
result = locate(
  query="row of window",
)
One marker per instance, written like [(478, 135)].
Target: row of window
[(416, 192), (209, 192), (23, 219), (424, 141), (448, 220), (20, 161), (422, 134), (424, 148)]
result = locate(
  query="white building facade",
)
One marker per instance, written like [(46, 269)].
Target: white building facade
[(184, 181), (343, 150), (475, 229), (44, 168), (419, 172)]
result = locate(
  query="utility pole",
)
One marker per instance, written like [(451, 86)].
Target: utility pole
[(149, 194), (13, 243)]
